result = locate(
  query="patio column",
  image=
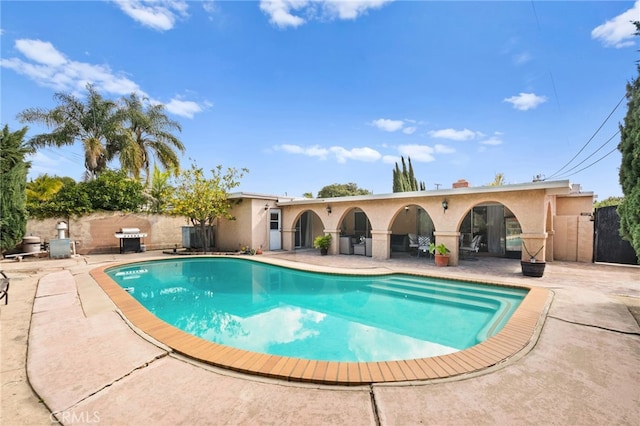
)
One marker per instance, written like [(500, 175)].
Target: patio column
[(380, 244), (533, 246), (287, 238), (451, 240), (334, 248)]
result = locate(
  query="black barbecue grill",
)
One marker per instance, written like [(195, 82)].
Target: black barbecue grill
[(130, 239)]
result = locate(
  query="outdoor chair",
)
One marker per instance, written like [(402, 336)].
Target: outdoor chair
[(4, 288), (467, 252), (413, 242), (423, 245)]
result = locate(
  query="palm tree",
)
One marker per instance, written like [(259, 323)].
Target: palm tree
[(148, 132), (43, 188), (93, 123), (498, 180)]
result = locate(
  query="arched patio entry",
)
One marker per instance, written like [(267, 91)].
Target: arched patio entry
[(355, 233), (308, 225), (409, 223), (497, 227)]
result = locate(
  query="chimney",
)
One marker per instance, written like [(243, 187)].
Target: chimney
[(461, 183)]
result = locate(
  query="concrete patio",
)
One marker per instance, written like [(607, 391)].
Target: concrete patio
[(63, 338)]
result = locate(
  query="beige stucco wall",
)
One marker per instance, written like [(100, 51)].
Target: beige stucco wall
[(250, 227), (94, 233), (536, 206), (549, 220)]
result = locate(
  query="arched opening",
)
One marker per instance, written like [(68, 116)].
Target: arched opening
[(410, 225), (495, 228), (308, 226), (355, 233)]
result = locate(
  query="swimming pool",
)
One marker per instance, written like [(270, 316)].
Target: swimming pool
[(515, 335), (281, 311)]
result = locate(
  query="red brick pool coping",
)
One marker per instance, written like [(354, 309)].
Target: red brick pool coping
[(515, 336)]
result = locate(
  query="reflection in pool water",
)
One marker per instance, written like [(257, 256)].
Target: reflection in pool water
[(280, 311)]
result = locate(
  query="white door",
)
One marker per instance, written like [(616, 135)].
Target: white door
[(275, 230)]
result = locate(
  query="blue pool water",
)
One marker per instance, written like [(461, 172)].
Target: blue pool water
[(275, 310)]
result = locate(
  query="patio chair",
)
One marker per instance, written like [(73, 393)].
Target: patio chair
[(423, 245), (4, 288), (467, 252), (413, 242)]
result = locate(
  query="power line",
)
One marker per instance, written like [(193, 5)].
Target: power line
[(591, 138), (597, 161), (591, 155)]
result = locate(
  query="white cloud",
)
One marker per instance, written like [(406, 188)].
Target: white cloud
[(49, 67), (409, 130), (157, 14), (279, 12), (421, 153), (357, 154), (390, 159), (619, 31), (287, 13), (387, 125), (40, 51), (350, 9), (312, 151), (443, 149), (341, 154), (526, 101), (453, 134), (493, 140), (183, 108)]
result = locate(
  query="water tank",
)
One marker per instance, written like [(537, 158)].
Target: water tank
[(31, 244)]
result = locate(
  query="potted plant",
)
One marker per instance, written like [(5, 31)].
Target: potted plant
[(322, 242), (532, 267), (441, 254)]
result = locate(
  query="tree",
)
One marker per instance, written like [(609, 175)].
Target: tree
[(69, 201), (607, 202), (147, 134), (498, 180), (13, 181), (404, 180), (342, 190), (159, 190), (629, 174), (94, 123), (203, 200), (115, 191)]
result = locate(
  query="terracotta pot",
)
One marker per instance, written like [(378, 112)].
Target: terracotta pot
[(442, 260), (532, 269)]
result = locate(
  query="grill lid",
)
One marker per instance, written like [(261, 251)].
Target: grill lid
[(129, 231)]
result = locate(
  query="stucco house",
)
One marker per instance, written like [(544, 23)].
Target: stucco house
[(550, 220), (546, 220)]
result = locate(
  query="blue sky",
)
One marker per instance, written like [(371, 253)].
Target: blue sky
[(310, 93)]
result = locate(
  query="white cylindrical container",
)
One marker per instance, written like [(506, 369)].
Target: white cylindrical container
[(61, 227)]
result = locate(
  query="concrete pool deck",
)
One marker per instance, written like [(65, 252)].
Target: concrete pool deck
[(88, 366)]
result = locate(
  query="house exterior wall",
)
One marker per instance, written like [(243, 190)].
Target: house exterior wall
[(94, 233), (555, 224), (250, 227)]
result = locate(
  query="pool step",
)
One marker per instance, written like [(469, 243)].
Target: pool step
[(420, 282), (447, 297), (455, 291)]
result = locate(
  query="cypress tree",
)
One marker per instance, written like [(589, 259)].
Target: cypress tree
[(629, 174), (13, 182)]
